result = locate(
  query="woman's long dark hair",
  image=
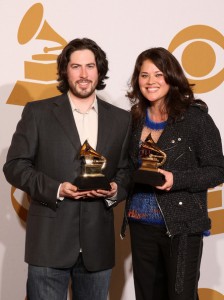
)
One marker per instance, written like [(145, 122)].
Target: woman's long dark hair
[(180, 94), (64, 57)]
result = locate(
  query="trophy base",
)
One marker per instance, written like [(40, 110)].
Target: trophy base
[(92, 183), (152, 178)]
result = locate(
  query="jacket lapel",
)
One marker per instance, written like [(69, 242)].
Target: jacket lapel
[(103, 126), (64, 115), (170, 136)]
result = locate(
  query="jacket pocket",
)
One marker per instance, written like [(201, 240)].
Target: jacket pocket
[(37, 209), (187, 207)]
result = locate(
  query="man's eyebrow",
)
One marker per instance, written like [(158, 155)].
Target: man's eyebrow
[(77, 64)]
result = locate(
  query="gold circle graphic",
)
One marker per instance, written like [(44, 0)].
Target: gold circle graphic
[(199, 57), (209, 294), (20, 209)]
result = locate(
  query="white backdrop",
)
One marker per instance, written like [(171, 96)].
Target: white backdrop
[(192, 30)]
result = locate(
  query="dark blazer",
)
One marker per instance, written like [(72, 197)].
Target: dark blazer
[(44, 153)]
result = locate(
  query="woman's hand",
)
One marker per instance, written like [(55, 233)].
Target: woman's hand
[(168, 180)]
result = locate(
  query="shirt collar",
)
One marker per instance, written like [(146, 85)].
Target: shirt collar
[(94, 105)]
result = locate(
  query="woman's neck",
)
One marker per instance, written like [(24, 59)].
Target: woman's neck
[(157, 114)]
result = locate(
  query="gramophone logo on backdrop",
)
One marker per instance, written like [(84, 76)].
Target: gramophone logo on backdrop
[(202, 50), (41, 71)]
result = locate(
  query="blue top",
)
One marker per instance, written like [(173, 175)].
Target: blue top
[(143, 206)]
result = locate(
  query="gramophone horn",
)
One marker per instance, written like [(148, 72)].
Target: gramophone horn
[(88, 150), (29, 27), (156, 152)]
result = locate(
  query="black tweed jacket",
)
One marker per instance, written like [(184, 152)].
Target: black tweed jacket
[(194, 156)]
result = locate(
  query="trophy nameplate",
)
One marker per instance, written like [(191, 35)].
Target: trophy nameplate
[(151, 159), (92, 164)]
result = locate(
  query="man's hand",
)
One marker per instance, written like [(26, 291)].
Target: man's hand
[(104, 193), (71, 191)]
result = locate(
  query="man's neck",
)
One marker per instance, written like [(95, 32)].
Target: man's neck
[(82, 104)]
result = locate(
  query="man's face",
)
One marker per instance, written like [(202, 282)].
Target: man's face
[(82, 73)]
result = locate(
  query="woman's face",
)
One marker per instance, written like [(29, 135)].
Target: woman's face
[(152, 83)]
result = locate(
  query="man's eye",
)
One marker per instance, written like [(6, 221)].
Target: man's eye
[(75, 66)]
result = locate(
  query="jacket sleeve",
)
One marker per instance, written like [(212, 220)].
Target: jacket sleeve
[(123, 174), (208, 172), (19, 168)]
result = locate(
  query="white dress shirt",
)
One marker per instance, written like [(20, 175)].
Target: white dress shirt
[(87, 126), (87, 123)]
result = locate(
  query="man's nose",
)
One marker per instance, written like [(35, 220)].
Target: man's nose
[(83, 73)]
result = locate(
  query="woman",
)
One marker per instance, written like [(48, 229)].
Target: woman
[(168, 222)]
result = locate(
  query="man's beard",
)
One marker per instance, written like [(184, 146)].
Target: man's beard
[(83, 93)]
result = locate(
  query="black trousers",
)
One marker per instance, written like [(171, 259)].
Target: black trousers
[(154, 259)]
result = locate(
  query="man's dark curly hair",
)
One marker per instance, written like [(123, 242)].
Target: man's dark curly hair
[(64, 57)]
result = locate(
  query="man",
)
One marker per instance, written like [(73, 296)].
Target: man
[(70, 233)]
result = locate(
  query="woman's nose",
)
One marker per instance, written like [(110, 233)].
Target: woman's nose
[(151, 79)]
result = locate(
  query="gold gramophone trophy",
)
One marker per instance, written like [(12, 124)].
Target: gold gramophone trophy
[(151, 158), (92, 164)]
